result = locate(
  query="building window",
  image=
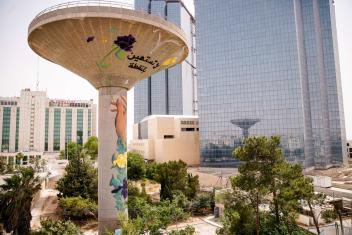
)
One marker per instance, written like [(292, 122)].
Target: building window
[(187, 129), (6, 121), (89, 122), (68, 127), (57, 123), (80, 126), (46, 129), (168, 136), (17, 127)]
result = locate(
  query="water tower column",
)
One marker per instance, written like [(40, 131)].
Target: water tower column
[(112, 157)]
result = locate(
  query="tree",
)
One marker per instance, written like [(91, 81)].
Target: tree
[(171, 176), (259, 156), (192, 186), (80, 179), (2, 165), (91, 147), (136, 167), (71, 150), (266, 177), (16, 197), (19, 157), (239, 215)]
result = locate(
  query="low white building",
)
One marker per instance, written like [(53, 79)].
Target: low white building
[(163, 138), (33, 122)]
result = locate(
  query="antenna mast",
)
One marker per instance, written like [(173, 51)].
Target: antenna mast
[(37, 82)]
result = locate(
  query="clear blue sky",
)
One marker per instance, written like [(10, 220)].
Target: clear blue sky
[(19, 63)]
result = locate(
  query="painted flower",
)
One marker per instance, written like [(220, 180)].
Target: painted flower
[(169, 61), (90, 38), (120, 160), (125, 42), (122, 188)]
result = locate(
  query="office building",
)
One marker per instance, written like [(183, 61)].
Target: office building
[(33, 122), (270, 68), (172, 91), (163, 138)]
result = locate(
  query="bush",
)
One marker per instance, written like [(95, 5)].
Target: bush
[(189, 230), (181, 201), (151, 170), (152, 219), (136, 200), (329, 215), (203, 204), (78, 208), (136, 167), (50, 227)]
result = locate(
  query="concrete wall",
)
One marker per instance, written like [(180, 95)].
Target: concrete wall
[(184, 145)]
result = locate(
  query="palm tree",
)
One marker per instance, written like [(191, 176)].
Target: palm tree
[(15, 200)]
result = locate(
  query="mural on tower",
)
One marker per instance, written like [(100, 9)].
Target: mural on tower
[(119, 158)]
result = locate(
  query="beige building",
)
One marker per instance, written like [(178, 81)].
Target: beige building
[(163, 138), (33, 122)]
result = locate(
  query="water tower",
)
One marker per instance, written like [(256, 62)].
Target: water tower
[(245, 124), (113, 47)]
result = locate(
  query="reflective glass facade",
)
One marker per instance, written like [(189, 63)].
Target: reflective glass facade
[(68, 126), (89, 122), (164, 93), (80, 126), (6, 122), (57, 124), (17, 127), (268, 68)]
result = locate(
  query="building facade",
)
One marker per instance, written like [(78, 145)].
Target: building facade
[(33, 122), (172, 91), (163, 138), (349, 149), (270, 68)]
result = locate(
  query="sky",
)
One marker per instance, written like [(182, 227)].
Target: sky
[(20, 67)]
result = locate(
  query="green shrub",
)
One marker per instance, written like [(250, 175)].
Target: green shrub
[(151, 170), (51, 227), (203, 204), (189, 230), (136, 200), (136, 167), (329, 215), (78, 208)]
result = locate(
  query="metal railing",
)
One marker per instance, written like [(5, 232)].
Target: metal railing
[(86, 3), (103, 4)]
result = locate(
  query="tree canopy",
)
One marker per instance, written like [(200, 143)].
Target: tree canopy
[(265, 177), (91, 147), (16, 198), (80, 179)]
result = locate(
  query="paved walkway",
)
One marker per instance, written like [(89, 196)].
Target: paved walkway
[(203, 226), (46, 205)]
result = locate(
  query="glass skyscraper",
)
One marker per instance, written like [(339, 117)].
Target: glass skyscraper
[(269, 68), (172, 91)]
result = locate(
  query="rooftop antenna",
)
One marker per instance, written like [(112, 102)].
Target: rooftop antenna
[(37, 82)]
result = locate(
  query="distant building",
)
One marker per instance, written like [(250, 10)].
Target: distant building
[(349, 148), (173, 91), (270, 68), (163, 138), (33, 122)]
